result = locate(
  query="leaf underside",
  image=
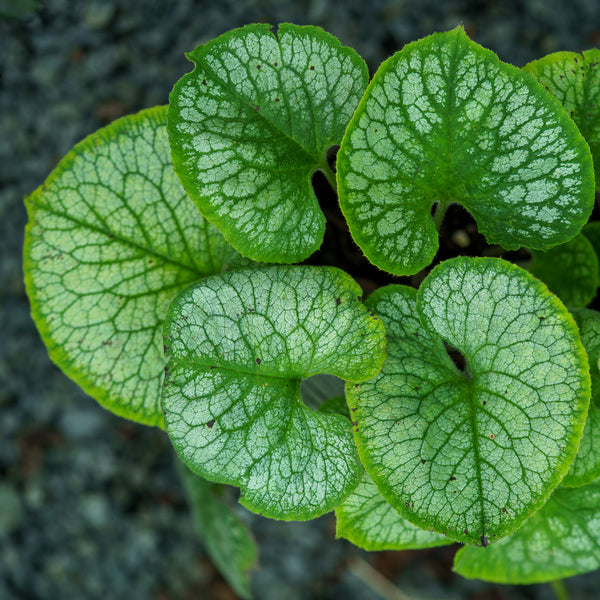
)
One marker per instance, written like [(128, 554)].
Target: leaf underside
[(111, 238), (574, 79), (472, 454), (250, 125), (560, 540), (444, 121), (239, 345)]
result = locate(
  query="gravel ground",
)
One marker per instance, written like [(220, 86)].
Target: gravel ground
[(90, 505)]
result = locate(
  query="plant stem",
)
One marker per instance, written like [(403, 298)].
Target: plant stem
[(438, 216), (330, 176), (371, 577), (560, 589)]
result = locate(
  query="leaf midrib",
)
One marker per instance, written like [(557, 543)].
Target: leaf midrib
[(476, 453), (196, 364), (112, 236), (233, 93)]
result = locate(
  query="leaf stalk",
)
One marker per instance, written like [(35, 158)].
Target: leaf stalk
[(438, 217), (330, 176), (560, 589)]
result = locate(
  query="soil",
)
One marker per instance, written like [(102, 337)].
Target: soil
[(90, 505)]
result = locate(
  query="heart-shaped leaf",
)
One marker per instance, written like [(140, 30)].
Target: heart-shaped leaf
[(560, 540), (111, 238), (444, 121), (238, 346), (250, 125), (574, 79), (586, 466), (369, 522), (472, 453), (570, 270)]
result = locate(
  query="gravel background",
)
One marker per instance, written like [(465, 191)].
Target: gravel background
[(90, 505)]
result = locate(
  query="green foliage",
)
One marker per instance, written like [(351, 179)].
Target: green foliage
[(444, 121), (227, 540), (574, 79), (586, 466), (111, 238), (238, 346), (592, 233), (19, 9), (250, 125), (447, 447), (570, 270), (367, 520), (560, 540), (467, 401)]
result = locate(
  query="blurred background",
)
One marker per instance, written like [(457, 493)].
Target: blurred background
[(91, 506)]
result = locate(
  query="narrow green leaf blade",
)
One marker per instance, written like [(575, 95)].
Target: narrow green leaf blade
[(586, 466), (570, 270), (560, 540), (574, 79), (472, 454), (444, 121), (369, 522), (111, 238), (250, 125), (227, 540), (238, 345)]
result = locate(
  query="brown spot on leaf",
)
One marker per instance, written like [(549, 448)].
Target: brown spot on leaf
[(210, 424)]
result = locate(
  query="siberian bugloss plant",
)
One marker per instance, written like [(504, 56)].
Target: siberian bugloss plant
[(161, 264)]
